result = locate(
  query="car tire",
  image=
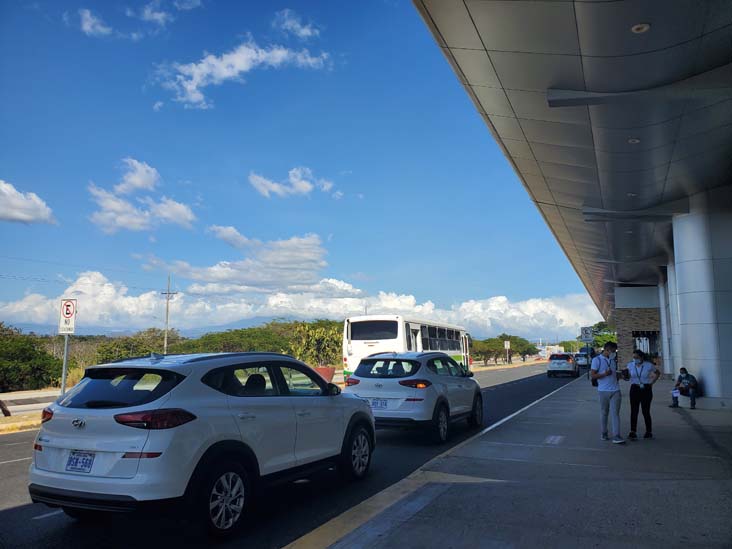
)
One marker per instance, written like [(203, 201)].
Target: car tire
[(441, 424), (223, 498), (356, 455), (549, 374), (476, 414)]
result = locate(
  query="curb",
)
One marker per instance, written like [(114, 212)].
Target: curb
[(8, 428)]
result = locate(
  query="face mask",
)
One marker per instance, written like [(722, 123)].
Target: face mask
[(613, 355), (637, 360)]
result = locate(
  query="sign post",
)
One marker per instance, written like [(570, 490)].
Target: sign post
[(66, 326), (507, 346), (586, 334)]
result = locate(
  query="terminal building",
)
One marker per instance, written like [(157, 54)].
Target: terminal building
[(617, 118)]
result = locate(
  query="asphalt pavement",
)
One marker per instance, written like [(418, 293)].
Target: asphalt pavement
[(284, 514)]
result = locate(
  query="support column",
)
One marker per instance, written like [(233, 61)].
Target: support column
[(668, 361), (703, 272), (675, 326)]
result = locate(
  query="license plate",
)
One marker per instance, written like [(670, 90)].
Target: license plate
[(378, 403), (80, 462)]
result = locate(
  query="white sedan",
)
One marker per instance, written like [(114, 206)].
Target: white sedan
[(418, 389)]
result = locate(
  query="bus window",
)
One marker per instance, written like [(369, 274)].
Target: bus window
[(425, 338), (374, 329), (408, 335)]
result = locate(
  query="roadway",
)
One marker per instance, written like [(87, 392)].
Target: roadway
[(284, 514)]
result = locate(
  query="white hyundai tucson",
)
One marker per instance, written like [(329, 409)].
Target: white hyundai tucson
[(202, 430), (417, 390)]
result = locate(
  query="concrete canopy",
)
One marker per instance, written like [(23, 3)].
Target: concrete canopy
[(611, 113)]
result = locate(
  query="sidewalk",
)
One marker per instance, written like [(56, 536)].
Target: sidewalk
[(545, 479), (25, 408)]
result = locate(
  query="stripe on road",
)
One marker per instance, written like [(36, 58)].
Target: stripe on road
[(15, 460), (47, 515)]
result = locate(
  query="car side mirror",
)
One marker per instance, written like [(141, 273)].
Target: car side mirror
[(469, 374), (333, 390)]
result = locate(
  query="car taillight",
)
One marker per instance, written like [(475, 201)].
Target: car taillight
[(46, 415), (37, 447), (352, 381), (416, 383), (155, 419)]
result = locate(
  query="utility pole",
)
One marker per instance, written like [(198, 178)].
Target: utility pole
[(167, 295)]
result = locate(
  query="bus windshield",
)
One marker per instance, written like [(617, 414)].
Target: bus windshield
[(374, 329)]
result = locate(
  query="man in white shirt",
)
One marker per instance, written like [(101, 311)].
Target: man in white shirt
[(604, 370)]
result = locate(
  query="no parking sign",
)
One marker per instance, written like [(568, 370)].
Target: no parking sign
[(67, 319)]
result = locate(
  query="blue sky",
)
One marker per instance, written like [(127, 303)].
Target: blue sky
[(295, 159)]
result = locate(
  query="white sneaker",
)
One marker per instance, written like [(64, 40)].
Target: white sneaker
[(618, 440)]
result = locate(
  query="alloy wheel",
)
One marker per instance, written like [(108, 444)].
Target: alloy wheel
[(226, 502), (360, 453), (442, 424)]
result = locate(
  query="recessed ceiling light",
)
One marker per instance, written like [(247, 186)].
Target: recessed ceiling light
[(633, 140), (631, 195), (640, 28)]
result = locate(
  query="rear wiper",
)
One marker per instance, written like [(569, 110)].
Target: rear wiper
[(105, 404)]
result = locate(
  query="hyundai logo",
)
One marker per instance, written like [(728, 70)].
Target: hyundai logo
[(78, 422), (378, 385)]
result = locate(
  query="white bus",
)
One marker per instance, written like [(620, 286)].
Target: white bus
[(366, 335)]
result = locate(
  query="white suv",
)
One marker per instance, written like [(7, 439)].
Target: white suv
[(203, 430), (417, 389)]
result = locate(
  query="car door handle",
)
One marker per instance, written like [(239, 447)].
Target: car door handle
[(243, 415), (302, 413)]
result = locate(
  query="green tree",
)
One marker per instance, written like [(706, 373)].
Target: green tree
[(603, 332), (23, 362), (318, 343)]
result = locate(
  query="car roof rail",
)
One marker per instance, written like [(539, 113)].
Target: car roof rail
[(235, 354), (150, 356)]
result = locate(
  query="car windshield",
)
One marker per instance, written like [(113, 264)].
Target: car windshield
[(386, 368), (559, 357), (120, 387)]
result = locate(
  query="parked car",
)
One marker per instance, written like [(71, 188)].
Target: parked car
[(582, 359), (562, 363), (203, 430), (428, 390)]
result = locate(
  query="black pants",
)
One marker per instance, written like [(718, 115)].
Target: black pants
[(641, 398)]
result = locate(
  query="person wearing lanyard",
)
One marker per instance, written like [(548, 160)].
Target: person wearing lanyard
[(642, 374)]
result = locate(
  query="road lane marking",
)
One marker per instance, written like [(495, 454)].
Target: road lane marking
[(339, 527), (553, 439), (15, 444), (14, 460), (47, 515)]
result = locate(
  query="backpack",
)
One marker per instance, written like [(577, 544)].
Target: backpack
[(594, 381)]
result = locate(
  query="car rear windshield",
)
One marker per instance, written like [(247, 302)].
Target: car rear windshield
[(559, 357), (387, 368), (120, 387), (374, 329)]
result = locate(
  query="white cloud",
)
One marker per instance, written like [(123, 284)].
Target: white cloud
[(187, 81), (300, 181), (277, 264), (231, 236), (186, 5), (109, 304), (139, 176), (92, 25), (337, 195), (289, 21), (22, 207), (152, 13), (168, 210), (117, 213), (158, 105)]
